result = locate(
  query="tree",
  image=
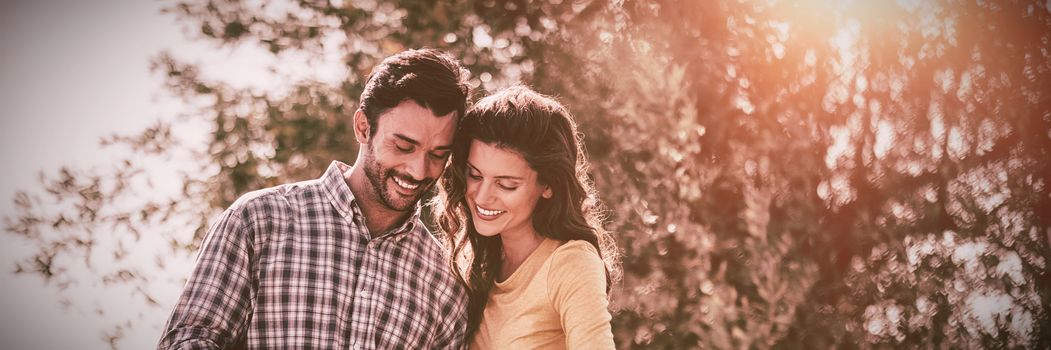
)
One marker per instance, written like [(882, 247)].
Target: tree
[(787, 174)]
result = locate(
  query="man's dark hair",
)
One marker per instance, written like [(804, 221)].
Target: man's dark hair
[(431, 78)]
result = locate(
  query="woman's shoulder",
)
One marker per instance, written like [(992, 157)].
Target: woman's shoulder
[(576, 253), (576, 246), (575, 266)]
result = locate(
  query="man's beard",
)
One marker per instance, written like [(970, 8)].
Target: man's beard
[(378, 177)]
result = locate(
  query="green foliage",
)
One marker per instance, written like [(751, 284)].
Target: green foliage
[(789, 174)]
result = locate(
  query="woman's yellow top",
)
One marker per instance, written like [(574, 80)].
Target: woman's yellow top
[(555, 300)]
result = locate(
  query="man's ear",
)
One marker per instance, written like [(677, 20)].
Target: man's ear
[(547, 192), (362, 131)]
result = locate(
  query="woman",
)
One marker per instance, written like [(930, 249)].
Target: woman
[(539, 265)]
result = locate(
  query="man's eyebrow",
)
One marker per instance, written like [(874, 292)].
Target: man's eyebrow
[(417, 143), (509, 177), (407, 139)]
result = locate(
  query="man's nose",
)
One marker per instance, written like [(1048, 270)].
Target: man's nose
[(417, 167)]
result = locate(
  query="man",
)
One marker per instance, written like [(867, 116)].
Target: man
[(342, 261)]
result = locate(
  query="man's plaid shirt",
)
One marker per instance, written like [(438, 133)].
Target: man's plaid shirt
[(294, 267)]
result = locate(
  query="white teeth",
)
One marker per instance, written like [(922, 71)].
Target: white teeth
[(404, 184), (487, 212)]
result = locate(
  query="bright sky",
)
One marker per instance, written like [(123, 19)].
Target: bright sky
[(70, 73)]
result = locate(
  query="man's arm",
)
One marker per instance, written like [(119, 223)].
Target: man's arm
[(215, 305), (452, 333)]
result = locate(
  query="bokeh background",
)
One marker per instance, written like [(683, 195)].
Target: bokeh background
[(779, 174)]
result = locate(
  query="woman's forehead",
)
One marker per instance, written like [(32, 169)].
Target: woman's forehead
[(498, 161)]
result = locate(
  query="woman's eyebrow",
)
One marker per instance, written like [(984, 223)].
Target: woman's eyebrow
[(509, 177)]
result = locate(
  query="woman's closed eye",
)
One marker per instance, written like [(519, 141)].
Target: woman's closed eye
[(499, 183)]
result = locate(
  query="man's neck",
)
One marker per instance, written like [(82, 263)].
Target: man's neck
[(378, 218)]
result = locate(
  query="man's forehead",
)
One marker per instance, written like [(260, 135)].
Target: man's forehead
[(410, 110), (416, 124)]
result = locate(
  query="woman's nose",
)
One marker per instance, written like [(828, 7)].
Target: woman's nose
[(483, 193)]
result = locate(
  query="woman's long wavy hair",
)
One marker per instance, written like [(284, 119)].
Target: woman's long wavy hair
[(542, 131)]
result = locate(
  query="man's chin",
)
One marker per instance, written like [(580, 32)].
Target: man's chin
[(397, 202)]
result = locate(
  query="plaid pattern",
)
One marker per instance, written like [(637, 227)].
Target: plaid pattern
[(294, 267)]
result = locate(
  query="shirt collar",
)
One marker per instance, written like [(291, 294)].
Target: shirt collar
[(343, 199), (409, 225), (338, 191)]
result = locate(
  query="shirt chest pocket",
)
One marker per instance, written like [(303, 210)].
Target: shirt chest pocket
[(401, 312), (295, 276)]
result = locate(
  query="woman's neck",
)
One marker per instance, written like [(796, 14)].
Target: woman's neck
[(517, 248)]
